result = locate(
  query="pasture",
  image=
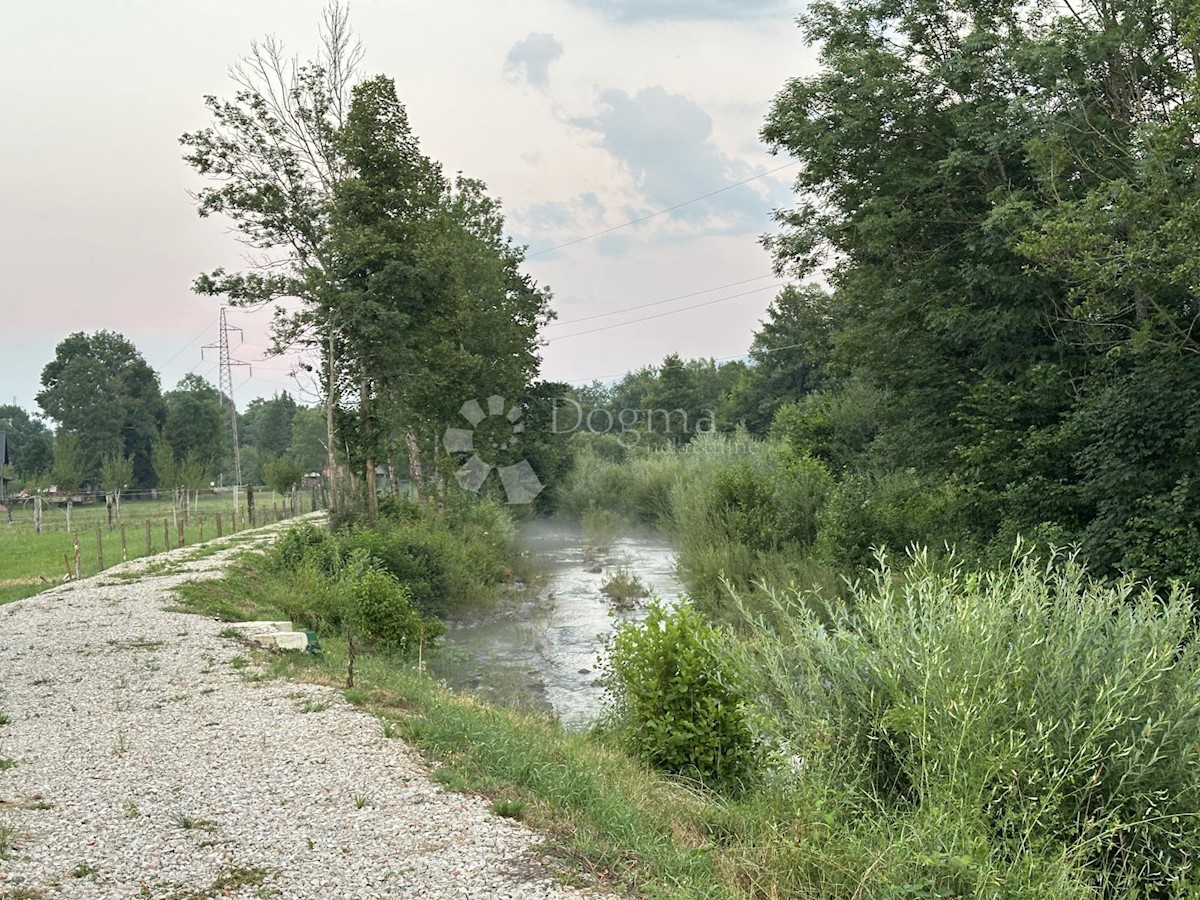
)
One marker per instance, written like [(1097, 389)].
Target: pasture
[(31, 562)]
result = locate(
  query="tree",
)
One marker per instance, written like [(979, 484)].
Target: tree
[(267, 424), (308, 439), (405, 281), (30, 442), (196, 425), (99, 388), (116, 473), (272, 153), (68, 467), (1003, 199)]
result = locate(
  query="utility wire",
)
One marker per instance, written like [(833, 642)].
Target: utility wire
[(713, 359), (659, 302), (661, 212), (563, 337)]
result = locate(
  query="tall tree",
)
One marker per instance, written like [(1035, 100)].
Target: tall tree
[(30, 442), (195, 424), (99, 388)]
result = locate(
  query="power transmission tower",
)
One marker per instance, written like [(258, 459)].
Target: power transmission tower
[(226, 365)]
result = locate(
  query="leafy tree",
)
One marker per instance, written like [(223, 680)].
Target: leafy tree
[(283, 474), (30, 442), (100, 388), (116, 473), (307, 445), (69, 467), (404, 281), (196, 424), (267, 423)]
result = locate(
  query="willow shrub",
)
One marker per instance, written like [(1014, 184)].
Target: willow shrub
[(678, 698), (1028, 712)]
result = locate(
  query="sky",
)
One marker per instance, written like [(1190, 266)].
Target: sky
[(580, 115)]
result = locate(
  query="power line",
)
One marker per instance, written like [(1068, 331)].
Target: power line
[(658, 302), (713, 359), (189, 344), (563, 337), (661, 212)]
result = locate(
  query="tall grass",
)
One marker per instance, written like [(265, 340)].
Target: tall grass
[(1023, 732)]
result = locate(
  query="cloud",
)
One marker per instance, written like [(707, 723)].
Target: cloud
[(665, 142), (530, 59), (657, 10)]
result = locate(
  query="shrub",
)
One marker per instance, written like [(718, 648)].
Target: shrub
[(380, 607), (412, 554), (1030, 710), (304, 543), (677, 697)]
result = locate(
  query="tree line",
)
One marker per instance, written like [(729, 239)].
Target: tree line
[(116, 429)]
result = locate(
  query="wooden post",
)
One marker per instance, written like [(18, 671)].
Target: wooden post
[(37, 515), (250, 504), (201, 519), (67, 565), (99, 549), (179, 528), (166, 536), (219, 531), (124, 545), (75, 546), (149, 543)]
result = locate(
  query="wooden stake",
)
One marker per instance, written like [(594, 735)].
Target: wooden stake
[(75, 546), (99, 549), (149, 543), (124, 545)]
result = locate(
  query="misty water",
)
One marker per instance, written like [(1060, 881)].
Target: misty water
[(543, 652)]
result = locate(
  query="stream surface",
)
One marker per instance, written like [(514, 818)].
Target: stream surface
[(544, 653)]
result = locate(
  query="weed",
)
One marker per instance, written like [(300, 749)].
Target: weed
[(83, 870), (189, 823), (361, 800), (7, 764), (238, 876), (508, 808), (390, 729), (8, 836), (314, 706), (4, 720), (131, 810), (624, 589), (239, 662)]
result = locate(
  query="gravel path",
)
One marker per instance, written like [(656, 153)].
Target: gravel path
[(147, 766)]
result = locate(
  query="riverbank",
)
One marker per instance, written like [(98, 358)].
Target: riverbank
[(147, 752)]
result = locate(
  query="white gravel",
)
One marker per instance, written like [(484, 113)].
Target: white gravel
[(146, 765)]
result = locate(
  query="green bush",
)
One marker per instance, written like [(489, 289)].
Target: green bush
[(304, 543), (678, 699), (1004, 719), (381, 608)]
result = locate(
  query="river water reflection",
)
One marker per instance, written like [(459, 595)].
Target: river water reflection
[(544, 653)]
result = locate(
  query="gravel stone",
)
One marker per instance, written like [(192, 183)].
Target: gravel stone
[(147, 765)]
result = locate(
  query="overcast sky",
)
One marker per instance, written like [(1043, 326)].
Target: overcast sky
[(580, 115)]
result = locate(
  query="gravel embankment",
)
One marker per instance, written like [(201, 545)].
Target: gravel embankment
[(146, 765)]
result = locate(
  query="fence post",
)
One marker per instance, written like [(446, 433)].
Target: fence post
[(180, 534), (219, 530), (201, 529), (166, 536), (149, 543), (75, 546), (99, 549), (124, 545), (67, 566), (250, 504)]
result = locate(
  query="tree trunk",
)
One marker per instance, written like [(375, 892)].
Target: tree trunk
[(414, 464), (330, 403), (364, 406)]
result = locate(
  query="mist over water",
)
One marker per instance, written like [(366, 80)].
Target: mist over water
[(545, 653)]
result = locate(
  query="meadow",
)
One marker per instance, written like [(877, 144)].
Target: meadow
[(31, 562)]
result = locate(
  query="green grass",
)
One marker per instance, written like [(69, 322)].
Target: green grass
[(31, 562), (607, 815)]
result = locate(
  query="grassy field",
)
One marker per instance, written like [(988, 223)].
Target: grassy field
[(31, 562)]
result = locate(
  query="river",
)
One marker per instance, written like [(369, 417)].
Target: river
[(544, 653)]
